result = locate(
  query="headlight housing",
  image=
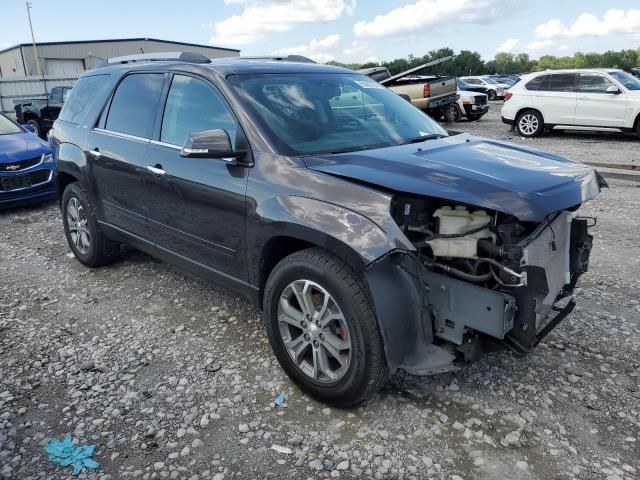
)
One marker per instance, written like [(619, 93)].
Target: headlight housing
[(47, 158)]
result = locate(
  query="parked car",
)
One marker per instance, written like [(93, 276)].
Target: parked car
[(41, 114), (468, 87), (372, 240), (635, 72), (472, 105), (587, 99), (26, 165), (495, 89), (435, 94), (510, 80)]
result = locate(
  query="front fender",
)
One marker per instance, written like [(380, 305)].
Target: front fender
[(350, 235), (70, 160)]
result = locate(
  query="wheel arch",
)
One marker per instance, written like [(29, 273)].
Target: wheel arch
[(526, 109)]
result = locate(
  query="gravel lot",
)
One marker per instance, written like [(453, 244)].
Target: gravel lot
[(171, 378)]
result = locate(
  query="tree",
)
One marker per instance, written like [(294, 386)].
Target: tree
[(468, 63)]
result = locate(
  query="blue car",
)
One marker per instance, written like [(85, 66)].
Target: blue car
[(26, 166)]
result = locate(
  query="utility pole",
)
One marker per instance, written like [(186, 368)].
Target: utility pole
[(35, 49)]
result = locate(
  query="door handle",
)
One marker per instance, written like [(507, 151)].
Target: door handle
[(156, 170), (95, 153)]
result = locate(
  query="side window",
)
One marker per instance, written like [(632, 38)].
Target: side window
[(194, 106), (539, 83), (473, 81), (594, 83), (562, 82), (81, 96), (134, 105)]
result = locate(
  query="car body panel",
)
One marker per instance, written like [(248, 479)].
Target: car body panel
[(523, 182)]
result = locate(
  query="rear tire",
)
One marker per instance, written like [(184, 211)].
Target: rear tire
[(457, 113), (315, 274), (86, 239), (530, 124)]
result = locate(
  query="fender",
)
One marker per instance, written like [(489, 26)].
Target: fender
[(70, 160), (350, 235)]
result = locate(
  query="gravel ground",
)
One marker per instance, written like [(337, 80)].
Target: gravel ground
[(171, 378)]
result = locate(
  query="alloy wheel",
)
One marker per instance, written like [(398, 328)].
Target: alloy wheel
[(528, 124), (78, 226), (314, 331)]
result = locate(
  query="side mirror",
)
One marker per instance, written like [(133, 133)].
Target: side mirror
[(613, 90), (29, 128), (212, 144)]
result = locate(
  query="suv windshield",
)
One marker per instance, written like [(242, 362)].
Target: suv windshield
[(629, 81), (306, 114), (7, 127)]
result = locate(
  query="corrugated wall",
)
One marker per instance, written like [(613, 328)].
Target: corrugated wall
[(20, 89)]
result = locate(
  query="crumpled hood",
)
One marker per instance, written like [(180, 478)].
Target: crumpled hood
[(21, 146), (524, 182)]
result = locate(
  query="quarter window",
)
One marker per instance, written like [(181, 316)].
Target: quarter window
[(539, 83), (134, 105), (194, 106), (594, 83)]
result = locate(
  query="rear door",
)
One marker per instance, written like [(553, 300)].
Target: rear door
[(555, 96), (595, 106), (196, 206), (117, 148)]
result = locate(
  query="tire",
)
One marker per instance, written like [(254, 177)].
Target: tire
[(638, 128), (530, 124), (457, 113), (90, 247), (364, 369), (492, 94), (35, 125), (474, 117)]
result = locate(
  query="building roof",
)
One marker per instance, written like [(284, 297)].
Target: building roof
[(112, 40)]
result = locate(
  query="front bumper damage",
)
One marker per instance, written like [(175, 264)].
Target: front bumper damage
[(431, 321)]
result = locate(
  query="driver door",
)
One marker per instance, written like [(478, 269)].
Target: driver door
[(595, 106)]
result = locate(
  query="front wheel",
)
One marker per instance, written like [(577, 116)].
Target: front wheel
[(36, 127), (530, 124), (87, 242), (322, 328)]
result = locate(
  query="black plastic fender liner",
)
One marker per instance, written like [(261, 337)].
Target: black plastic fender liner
[(398, 303)]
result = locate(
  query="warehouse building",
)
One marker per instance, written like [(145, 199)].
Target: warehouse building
[(70, 59)]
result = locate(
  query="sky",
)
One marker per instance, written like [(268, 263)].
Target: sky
[(342, 30)]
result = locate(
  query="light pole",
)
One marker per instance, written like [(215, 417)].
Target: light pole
[(35, 49)]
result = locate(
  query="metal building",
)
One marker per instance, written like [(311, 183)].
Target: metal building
[(70, 59)]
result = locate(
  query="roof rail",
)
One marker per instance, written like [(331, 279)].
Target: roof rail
[(190, 57), (287, 58)]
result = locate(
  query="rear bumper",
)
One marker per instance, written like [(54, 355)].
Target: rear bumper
[(508, 121)]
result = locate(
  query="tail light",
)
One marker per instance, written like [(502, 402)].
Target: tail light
[(426, 90), (507, 96)]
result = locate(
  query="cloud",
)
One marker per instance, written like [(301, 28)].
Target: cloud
[(260, 17), (588, 25), (416, 17), (315, 49), (540, 44), (507, 46)]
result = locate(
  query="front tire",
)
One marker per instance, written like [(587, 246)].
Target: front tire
[(87, 242), (530, 124), (36, 127), (322, 328)]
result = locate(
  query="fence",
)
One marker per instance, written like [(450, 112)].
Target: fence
[(15, 90)]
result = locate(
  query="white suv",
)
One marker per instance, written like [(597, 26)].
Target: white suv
[(586, 99)]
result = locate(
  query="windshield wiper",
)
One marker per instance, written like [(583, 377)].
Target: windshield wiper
[(422, 138)]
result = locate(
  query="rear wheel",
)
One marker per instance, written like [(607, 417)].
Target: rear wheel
[(322, 328), (87, 242), (530, 123), (456, 112)]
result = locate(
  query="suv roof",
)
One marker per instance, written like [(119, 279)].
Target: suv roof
[(224, 66)]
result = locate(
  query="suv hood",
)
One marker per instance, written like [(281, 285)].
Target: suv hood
[(527, 183)]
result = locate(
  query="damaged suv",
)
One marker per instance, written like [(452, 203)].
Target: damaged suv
[(371, 239)]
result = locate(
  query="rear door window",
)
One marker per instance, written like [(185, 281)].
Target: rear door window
[(594, 83), (562, 82), (134, 105), (538, 83), (81, 97), (194, 106)]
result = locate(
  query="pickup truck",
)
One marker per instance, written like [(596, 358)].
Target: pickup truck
[(435, 94), (41, 114)]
